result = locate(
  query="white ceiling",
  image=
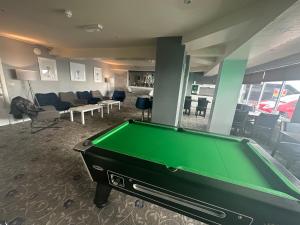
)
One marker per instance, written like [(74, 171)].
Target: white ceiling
[(125, 22), (279, 39), (211, 29)]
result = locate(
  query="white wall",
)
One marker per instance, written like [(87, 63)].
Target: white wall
[(121, 79), (231, 74), (15, 54)]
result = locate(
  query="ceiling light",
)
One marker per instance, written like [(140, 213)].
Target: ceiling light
[(68, 13), (93, 28), (37, 51), (187, 2)]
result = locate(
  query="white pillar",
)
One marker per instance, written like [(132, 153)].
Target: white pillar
[(169, 80), (231, 75)]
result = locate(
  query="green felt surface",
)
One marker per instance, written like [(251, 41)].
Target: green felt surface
[(207, 155)]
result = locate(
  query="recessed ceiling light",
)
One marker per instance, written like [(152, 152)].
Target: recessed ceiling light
[(93, 28), (187, 2), (68, 13)]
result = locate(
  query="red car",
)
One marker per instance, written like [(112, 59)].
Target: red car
[(285, 107)]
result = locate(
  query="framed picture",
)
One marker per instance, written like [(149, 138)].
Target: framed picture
[(77, 71), (48, 70), (98, 77)]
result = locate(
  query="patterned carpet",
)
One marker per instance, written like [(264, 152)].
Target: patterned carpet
[(43, 181)]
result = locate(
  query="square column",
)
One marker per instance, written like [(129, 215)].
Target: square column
[(169, 80), (184, 85), (229, 83)]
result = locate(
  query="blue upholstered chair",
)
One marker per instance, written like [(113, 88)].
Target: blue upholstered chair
[(85, 95), (51, 99), (143, 103), (119, 96)]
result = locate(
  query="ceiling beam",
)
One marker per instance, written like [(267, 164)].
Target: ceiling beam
[(217, 37), (132, 67), (227, 26), (203, 61), (237, 28), (201, 68), (213, 51), (112, 53)]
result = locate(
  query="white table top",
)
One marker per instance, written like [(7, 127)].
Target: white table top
[(109, 102), (85, 108)]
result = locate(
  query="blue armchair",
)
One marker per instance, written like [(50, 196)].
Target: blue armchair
[(52, 99), (119, 96), (143, 104), (85, 95)]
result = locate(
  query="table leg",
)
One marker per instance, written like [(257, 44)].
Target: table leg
[(82, 118), (107, 108), (92, 112), (102, 194), (119, 105), (102, 112), (71, 116)]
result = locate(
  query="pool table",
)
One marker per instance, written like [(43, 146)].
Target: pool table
[(212, 178)]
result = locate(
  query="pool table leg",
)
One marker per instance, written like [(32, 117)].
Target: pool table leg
[(101, 196)]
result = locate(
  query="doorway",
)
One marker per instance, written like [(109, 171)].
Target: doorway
[(4, 100)]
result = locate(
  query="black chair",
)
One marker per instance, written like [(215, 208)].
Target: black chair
[(244, 107), (201, 107), (143, 103), (187, 105), (289, 132), (264, 126), (51, 99), (47, 115), (239, 122), (290, 152), (119, 96), (85, 95)]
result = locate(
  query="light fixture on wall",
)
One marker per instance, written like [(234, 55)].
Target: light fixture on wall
[(37, 51), (28, 75)]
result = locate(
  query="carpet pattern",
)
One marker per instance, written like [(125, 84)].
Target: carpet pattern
[(43, 181)]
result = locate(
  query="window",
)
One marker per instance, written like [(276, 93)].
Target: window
[(288, 99), (272, 97)]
